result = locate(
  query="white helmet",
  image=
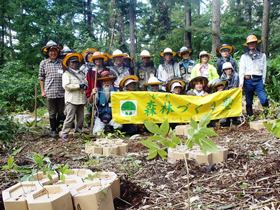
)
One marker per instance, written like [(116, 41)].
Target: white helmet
[(118, 53), (51, 43), (185, 49), (167, 50), (145, 53), (204, 53), (175, 84), (153, 80), (227, 65), (66, 49)]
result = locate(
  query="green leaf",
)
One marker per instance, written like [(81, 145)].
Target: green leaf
[(164, 128), (193, 124), (149, 144), (10, 162), (175, 141), (162, 153), (208, 131), (274, 127), (152, 154), (205, 120), (152, 127), (208, 146)]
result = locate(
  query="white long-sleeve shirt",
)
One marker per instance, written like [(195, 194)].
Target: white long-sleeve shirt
[(167, 72), (248, 66)]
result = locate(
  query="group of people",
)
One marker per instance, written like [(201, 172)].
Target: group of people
[(71, 80)]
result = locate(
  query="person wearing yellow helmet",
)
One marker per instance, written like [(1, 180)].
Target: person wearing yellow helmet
[(252, 73), (87, 54), (74, 83), (50, 76)]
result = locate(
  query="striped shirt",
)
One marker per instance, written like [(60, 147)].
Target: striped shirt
[(51, 73)]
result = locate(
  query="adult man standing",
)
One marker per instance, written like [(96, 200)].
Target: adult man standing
[(103, 116), (186, 64), (169, 69), (252, 73), (50, 76), (225, 52), (145, 68), (87, 64), (118, 68)]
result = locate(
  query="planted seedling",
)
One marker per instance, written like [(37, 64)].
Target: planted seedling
[(273, 127), (198, 134), (160, 141)]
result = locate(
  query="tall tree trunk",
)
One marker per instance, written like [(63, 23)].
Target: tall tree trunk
[(249, 8), (198, 7), (89, 19), (188, 23), (2, 33), (113, 18), (216, 20), (265, 25), (132, 20), (121, 32)]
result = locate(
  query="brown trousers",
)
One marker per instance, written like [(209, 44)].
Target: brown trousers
[(74, 113)]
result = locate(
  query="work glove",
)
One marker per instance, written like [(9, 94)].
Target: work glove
[(83, 86)]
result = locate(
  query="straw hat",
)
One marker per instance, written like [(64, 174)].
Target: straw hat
[(118, 53), (167, 50), (127, 80), (225, 46), (72, 56), (50, 44), (217, 82), (88, 51), (145, 54), (204, 53), (184, 49), (174, 83), (97, 55), (201, 79), (252, 38), (106, 75), (153, 81)]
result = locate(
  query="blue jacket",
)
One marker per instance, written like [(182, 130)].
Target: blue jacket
[(104, 111), (233, 82)]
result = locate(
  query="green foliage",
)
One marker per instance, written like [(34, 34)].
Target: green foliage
[(273, 78), (8, 128), (63, 170), (198, 134), (160, 141), (40, 164), (17, 87), (273, 127)]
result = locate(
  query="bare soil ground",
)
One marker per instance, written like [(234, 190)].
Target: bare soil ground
[(249, 179)]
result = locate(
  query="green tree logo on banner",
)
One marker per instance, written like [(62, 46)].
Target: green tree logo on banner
[(128, 108)]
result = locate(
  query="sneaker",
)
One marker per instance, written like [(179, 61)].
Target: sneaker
[(64, 137)]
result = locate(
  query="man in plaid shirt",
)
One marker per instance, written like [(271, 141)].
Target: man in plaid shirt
[(50, 76)]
